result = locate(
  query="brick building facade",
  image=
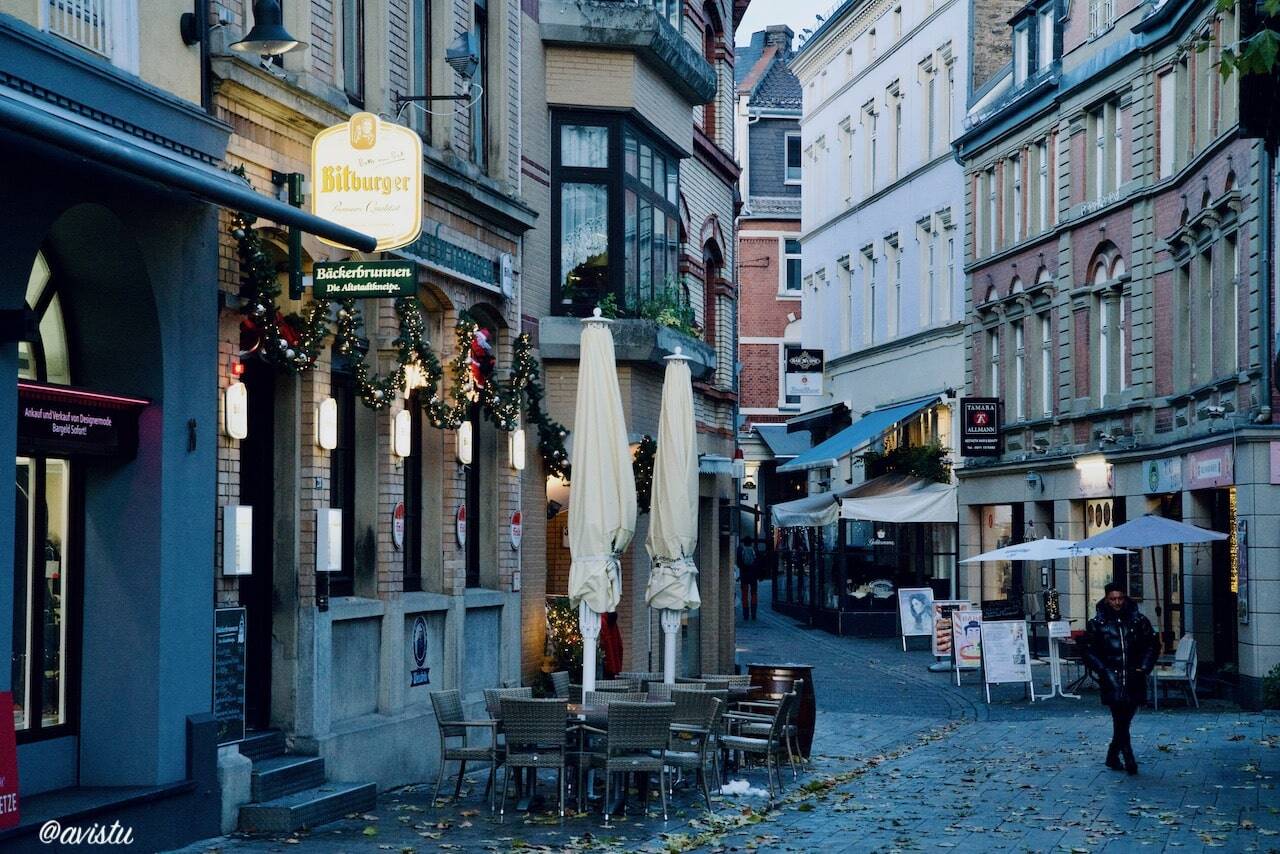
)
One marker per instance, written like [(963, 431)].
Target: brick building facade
[(1114, 286)]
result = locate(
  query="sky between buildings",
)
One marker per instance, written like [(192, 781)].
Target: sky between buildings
[(796, 14)]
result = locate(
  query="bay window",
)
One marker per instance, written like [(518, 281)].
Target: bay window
[(616, 230)]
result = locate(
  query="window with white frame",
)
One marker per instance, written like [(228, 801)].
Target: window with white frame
[(791, 265), (846, 158), (1168, 123), (944, 296), (1123, 335), (793, 155), (927, 237), (1103, 309), (1019, 372), (1046, 366), (1101, 15), (870, 122), (993, 356), (869, 295), (894, 100), (897, 23), (1231, 265), (1015, 170), (1205, 318), (789, 401), (930, 79), (893, 259), (1105, 163), (845, 274), (1044, 37), (1021, 55), (108, 28), (949, 100), (1042, 186)]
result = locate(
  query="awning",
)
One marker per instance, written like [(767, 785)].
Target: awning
[(901, 498), (819, 418), (812, 511), (829, 453), (783, 444), (46, 124)]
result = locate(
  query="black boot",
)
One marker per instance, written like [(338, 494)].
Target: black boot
[(753, 610), (746, 613), (1113, 758), (1130, 763)]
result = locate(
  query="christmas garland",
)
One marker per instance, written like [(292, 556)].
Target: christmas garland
[(279, 343), (526, 379), (412, 349)]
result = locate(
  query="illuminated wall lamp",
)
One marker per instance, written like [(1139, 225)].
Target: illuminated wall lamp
[(401, 433), (327, 424), (464, 443), (515, 444), (235, 409)]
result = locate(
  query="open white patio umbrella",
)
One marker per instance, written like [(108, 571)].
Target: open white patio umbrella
[(1043, 549), (673, 514), (1148, 532), (602, 499)]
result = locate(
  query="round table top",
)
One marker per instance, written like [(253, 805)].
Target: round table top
[(780, 666)]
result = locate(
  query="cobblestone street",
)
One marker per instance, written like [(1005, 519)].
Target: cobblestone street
[(905, 761)]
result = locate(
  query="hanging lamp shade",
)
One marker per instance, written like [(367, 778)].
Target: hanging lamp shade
[(268, 37)]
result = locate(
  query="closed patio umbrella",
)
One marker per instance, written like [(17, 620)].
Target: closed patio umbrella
[(673, 520), (602, 499)]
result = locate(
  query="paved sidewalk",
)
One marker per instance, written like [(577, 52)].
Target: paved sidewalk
[(906, 761)]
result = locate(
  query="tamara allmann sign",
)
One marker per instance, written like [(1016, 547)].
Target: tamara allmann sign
[(366, 174), (358, 279)]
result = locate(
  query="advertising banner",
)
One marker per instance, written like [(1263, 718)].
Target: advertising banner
[(980, 427), (915, 611), (360, 279), (1005, 655), (803, 374), (942, 612), (966, 637)]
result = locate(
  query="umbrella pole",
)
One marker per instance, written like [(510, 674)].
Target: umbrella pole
[(1155, 583), (589, 626), (670, 628)]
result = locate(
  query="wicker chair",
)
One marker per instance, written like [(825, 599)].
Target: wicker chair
[(605, 698), (449, 718), (772, 745), (693, 741), (641, 678), (560, 683), (535, 731), (730, 680), (575, 693), (760, 728), (636, 742), (493, 700), (626, 685), (662, 691)]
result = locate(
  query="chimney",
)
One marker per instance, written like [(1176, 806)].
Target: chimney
[(780, 35)]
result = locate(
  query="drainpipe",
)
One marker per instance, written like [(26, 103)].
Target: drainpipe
[(1266, 263)]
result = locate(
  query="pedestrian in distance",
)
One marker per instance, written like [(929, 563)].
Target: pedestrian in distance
[(1120, 648), (749, 577)]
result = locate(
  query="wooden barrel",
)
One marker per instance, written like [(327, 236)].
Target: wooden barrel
[(776, 680)]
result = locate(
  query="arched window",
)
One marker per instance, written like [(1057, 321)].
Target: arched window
[(1016, 287), (45, 359)]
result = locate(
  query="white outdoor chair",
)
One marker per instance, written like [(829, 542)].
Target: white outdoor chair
[(1182, 669)]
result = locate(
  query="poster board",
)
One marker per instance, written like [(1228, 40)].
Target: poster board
[(229, 673), (9, 816), (1006, 657), (942, 611), (915, 611), (966, 638)]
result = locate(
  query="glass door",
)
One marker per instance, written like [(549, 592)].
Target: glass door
[(42, 590)]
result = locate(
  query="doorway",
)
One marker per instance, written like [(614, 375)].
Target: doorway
[(1225, 579), (257, 490)]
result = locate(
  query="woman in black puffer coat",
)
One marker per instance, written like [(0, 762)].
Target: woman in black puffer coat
[(1120, 647)]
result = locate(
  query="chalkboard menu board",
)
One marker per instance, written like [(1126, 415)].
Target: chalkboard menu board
[(1001, 609), (228, 673)]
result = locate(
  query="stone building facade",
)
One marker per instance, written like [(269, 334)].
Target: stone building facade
[(331, 655), (627, 157), (1116, 271), (883, 223)]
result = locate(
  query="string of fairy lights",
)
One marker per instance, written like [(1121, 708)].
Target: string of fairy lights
[(472, 382)]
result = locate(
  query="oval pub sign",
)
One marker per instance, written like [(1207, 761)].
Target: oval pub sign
[(366, 174)]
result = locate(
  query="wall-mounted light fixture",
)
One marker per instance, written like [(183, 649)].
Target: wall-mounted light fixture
[(235, 405), (327, 424), (515, 445), (268, 37), (401, 433), (464, 443)]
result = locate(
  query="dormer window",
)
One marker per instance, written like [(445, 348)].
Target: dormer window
[(1021, 54), (1044, 37)]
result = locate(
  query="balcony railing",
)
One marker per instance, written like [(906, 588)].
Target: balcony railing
[(88, 23)]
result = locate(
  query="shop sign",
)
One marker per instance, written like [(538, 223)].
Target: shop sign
[(397, 525), (64, 421), (229, 673), (419, 673), (366, 174), (1163, 475), (460, 526), (803, 376), (1211, 468), (980, 427), (1275, 463), (360, 279), (8, 763), (517, 530)]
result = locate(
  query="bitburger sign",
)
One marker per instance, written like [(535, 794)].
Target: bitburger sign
[(366, 174)]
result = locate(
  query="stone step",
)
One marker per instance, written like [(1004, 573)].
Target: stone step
[(308, 808), (261, 744), (275, 776)]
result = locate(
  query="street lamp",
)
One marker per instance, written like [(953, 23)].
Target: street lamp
[(268, 37)]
